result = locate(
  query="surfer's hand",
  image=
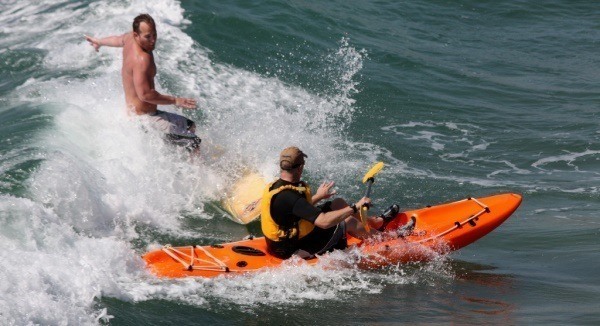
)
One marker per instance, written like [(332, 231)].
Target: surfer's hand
[(93, 42), (186, 103), (324, 190)]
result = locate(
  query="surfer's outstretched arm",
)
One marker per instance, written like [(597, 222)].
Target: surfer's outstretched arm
[(117, 41)]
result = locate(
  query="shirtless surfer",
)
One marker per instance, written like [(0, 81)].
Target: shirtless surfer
[(138, 73)]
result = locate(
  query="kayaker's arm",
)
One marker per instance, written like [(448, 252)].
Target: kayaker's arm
[(333, 218)]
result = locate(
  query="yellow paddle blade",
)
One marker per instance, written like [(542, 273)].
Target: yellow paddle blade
[(373, 171), (364, 217)]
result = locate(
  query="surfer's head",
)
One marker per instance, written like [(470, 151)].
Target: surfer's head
[(291, 158), (144, 32)]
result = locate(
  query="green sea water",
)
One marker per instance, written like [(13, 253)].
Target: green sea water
[(459, 99)]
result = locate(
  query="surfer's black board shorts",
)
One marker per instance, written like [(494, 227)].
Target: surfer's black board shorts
[(176, 128)]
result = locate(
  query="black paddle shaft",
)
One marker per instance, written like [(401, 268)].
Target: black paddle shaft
[(368, 192)]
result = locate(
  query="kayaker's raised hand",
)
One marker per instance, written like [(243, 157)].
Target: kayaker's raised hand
[(324, 191)]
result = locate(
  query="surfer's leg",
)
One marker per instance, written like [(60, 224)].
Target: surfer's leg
[(178, 130), (191, 143)]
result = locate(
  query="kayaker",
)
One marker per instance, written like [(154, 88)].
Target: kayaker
[(138, 74), (291, 222)]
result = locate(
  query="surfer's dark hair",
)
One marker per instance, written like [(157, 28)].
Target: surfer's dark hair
[(143, 18)]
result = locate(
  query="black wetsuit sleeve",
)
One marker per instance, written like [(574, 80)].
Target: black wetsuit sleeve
[(305, 210)]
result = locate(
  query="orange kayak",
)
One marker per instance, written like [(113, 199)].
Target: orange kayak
[(437, 230)]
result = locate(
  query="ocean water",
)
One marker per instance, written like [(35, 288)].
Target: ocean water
[(459, 99)]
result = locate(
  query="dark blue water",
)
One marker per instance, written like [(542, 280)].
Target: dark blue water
[(459, 99)]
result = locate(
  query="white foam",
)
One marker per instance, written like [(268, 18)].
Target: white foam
[(50, 274), (569, 158), (513, 170), (439, 135)]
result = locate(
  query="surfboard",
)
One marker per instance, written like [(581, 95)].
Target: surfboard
[(242, 201)]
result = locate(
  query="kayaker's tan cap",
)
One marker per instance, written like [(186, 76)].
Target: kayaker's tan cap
[(291, 158)]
